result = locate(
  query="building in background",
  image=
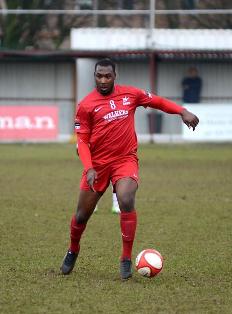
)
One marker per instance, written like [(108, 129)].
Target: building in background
[(37, 96), (151, 47), (157, 61), (61, 78)]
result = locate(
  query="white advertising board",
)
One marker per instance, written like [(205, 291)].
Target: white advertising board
[(215, 123)]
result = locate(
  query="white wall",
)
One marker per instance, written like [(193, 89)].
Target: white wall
[(85, 76)]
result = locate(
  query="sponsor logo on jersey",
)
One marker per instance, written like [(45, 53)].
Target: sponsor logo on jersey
[(117, 114), (97, 109), (125, 101)]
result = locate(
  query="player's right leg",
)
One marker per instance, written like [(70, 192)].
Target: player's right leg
[(126, 189), (86, 205), (125, 182)]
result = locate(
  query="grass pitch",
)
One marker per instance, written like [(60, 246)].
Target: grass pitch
[(184, 208)]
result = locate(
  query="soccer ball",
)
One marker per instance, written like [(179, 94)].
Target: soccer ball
[(149, 263)]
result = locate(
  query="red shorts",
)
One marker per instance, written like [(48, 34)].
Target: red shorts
[(112, 173)]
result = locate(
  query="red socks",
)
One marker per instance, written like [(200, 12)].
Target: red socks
[(76, 231), (128, 222)]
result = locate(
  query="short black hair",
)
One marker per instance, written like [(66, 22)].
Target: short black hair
[(105, 63)]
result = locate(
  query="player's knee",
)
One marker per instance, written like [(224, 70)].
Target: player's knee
[(126, 202), (81, 216)]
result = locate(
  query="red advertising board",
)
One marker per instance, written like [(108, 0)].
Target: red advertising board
[(28, 122)]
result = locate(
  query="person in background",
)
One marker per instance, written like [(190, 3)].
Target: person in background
[(192, 86)]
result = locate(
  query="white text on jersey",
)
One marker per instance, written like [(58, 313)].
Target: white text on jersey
[(117, 114)]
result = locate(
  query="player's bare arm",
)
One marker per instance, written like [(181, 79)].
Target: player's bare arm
[(190, 119), (91, 178), (91, 173), (85, 157)]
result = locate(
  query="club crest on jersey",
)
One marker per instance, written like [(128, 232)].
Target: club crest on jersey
[(125, 101)]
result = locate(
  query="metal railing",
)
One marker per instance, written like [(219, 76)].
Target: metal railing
[(151, 13), (115, 12)]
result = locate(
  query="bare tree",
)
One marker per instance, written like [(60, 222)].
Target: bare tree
[(213, 20), (194, 21), (52, 31), (39, 31), (168, 21)]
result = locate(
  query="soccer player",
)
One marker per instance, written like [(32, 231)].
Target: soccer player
[(107, 147)]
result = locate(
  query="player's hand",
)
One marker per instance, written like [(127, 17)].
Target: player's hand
[(91, 178), (189, 119)]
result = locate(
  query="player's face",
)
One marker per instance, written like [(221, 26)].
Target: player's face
[(104, 78)]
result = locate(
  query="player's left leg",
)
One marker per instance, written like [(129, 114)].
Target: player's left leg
[(126, 190), (86, 205)]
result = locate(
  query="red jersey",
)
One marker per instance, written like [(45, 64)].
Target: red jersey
[(109, 119)]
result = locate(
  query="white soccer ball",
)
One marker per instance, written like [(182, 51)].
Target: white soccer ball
[(149, 263)]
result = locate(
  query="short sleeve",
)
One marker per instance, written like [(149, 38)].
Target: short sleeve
[(82, 120)]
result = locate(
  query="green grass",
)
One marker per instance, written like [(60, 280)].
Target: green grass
[(184, 208)]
